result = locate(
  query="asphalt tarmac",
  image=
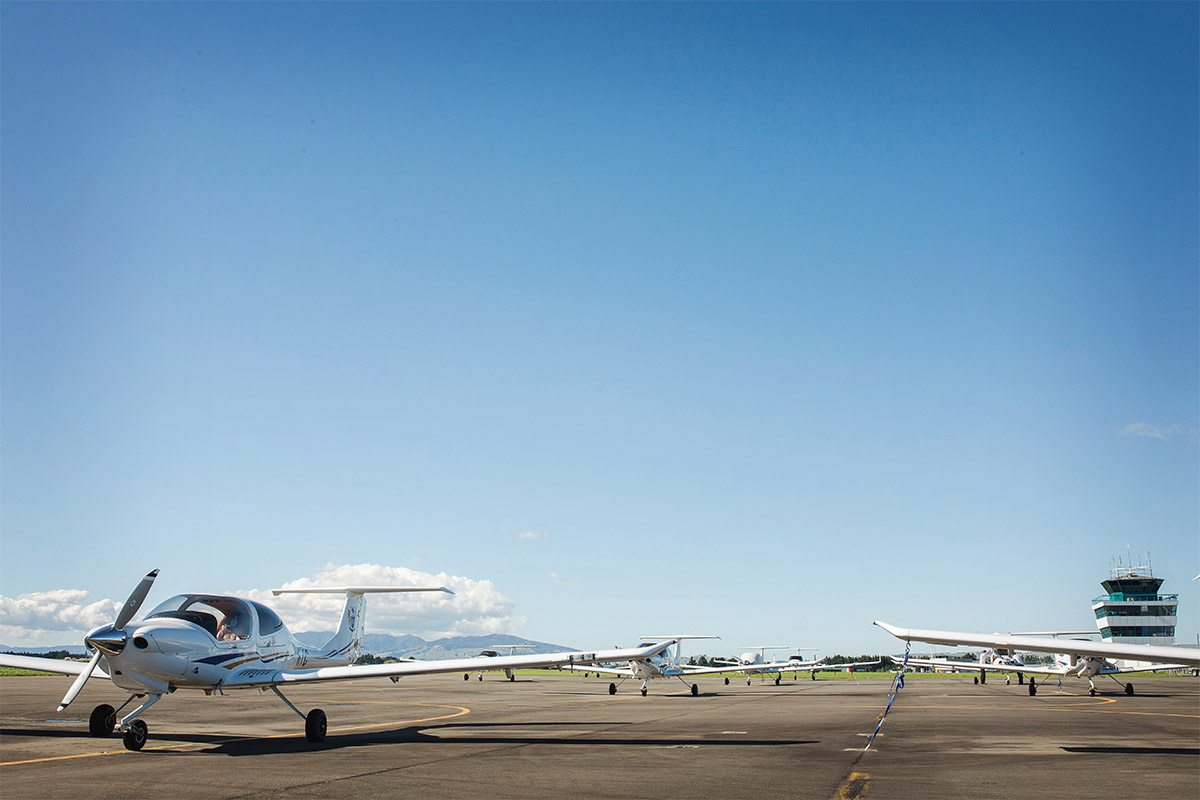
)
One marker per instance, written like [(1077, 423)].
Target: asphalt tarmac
[(564, 736)]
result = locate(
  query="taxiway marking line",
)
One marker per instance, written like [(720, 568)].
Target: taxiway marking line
[(854, 787), (461, 711)]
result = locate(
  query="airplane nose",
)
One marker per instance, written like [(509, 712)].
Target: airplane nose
[(107, 639)]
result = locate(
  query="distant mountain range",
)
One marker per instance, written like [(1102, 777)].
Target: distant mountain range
[(382, 644), (409, 646)]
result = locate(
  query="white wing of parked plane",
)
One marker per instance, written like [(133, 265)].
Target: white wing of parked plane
[(1189, 656), (1062, 670), (543, 660)]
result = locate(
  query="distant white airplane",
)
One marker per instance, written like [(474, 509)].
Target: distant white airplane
[(1078, 657), (658, 665), (217, 643), (493, 652), (753, 662)]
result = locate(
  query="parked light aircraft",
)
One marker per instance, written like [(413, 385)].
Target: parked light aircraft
[(1083, 658), (217, 643), (658, 665), (493, 652), (752, 663)]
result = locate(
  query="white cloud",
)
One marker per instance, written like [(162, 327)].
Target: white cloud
[(532, 535), (32, 616), (475, 608), (561, 581), (1161, 432)]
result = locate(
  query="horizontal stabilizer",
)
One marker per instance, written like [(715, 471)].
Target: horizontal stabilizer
[(675, 638), (359, 589)]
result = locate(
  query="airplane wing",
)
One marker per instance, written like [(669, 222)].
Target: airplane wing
[(1147, 668), (692, 669), (61, 666), (1188, 656), (625, 673), (827, 666), (975, 666), (251, 677)]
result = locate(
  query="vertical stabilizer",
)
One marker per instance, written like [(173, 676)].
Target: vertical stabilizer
[(346, 644)]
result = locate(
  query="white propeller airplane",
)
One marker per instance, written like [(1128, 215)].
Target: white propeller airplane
[(217, 643), (752, 662), (1078, 657), (658, 665), (494, 652)]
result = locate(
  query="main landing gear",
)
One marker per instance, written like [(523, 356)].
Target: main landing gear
[(316, 724), (102, 721), (133, 731)]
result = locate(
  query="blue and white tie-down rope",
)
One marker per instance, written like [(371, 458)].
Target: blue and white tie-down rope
[(897, 685)]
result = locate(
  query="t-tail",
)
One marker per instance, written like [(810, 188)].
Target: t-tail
[(345, 645)]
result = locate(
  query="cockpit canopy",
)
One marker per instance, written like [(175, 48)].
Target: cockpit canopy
[(225, 618)]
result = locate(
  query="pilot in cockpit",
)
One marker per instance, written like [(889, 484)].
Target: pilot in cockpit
[(232, 627)]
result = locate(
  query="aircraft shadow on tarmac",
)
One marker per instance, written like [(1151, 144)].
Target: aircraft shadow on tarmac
[(224, 744), (1136, 751), (492, 734)]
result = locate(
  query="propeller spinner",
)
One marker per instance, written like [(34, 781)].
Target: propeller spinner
[(110, 639)]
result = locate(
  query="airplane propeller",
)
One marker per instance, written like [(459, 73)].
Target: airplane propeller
[(110, 639)]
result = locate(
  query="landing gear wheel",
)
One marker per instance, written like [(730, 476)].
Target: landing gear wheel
[(1129, 689), (102, 721), (466, 676), (747, 681), (976, 680), (695, 690), (1032, 689), (777, 681), (1092, 692), (727, 681), (135, 735), (643, 692), (612, 688), (481, 676), (512, 678), (315, 725)]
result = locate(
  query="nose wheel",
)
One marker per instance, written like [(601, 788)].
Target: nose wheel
[(135, 735)]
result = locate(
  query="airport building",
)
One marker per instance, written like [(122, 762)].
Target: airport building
[(1132, 611)]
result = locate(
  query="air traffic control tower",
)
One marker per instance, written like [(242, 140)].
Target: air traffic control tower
[(1132, 611)]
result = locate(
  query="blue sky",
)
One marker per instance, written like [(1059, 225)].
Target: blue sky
[(755, 320)]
